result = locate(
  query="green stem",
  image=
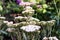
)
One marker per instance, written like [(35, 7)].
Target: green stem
[(36, 15), (56, 11), (18, 34)]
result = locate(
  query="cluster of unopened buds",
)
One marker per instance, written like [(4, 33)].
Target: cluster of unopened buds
[(46, 23), (28, 11), (11, 24)]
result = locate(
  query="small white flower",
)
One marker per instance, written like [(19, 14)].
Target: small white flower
[(10, 29), (5, 21), (45, 38), (50, 38), (25, 3), (28, 11), (2, 17), (10, 23), (30, 28), (55, 38)]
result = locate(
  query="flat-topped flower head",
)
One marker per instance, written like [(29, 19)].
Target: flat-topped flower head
[(45, 38), (2, 18), (9, 24), (53, 38), (30, 28), (5, 21)]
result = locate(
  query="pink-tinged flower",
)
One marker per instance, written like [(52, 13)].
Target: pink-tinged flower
[(39, 6), (30, 28), (26, 3), (9, 24)]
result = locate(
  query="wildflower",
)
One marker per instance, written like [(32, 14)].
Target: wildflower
[(24, 3), (53, 38), (2, 17), (45, 38), (5, 21), (10, 29), (30, 28), (9, 24), (50, 38)]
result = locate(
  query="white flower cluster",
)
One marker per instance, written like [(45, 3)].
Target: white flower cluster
[(2, 18), (28, 11), (45, 38), (10, 24), (50, 38), (53, 38), (26, 3), (21, 18), (30, 28)]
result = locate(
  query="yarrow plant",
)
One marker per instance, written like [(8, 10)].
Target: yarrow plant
[(53, 38), (29, 11), (30, 28)]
